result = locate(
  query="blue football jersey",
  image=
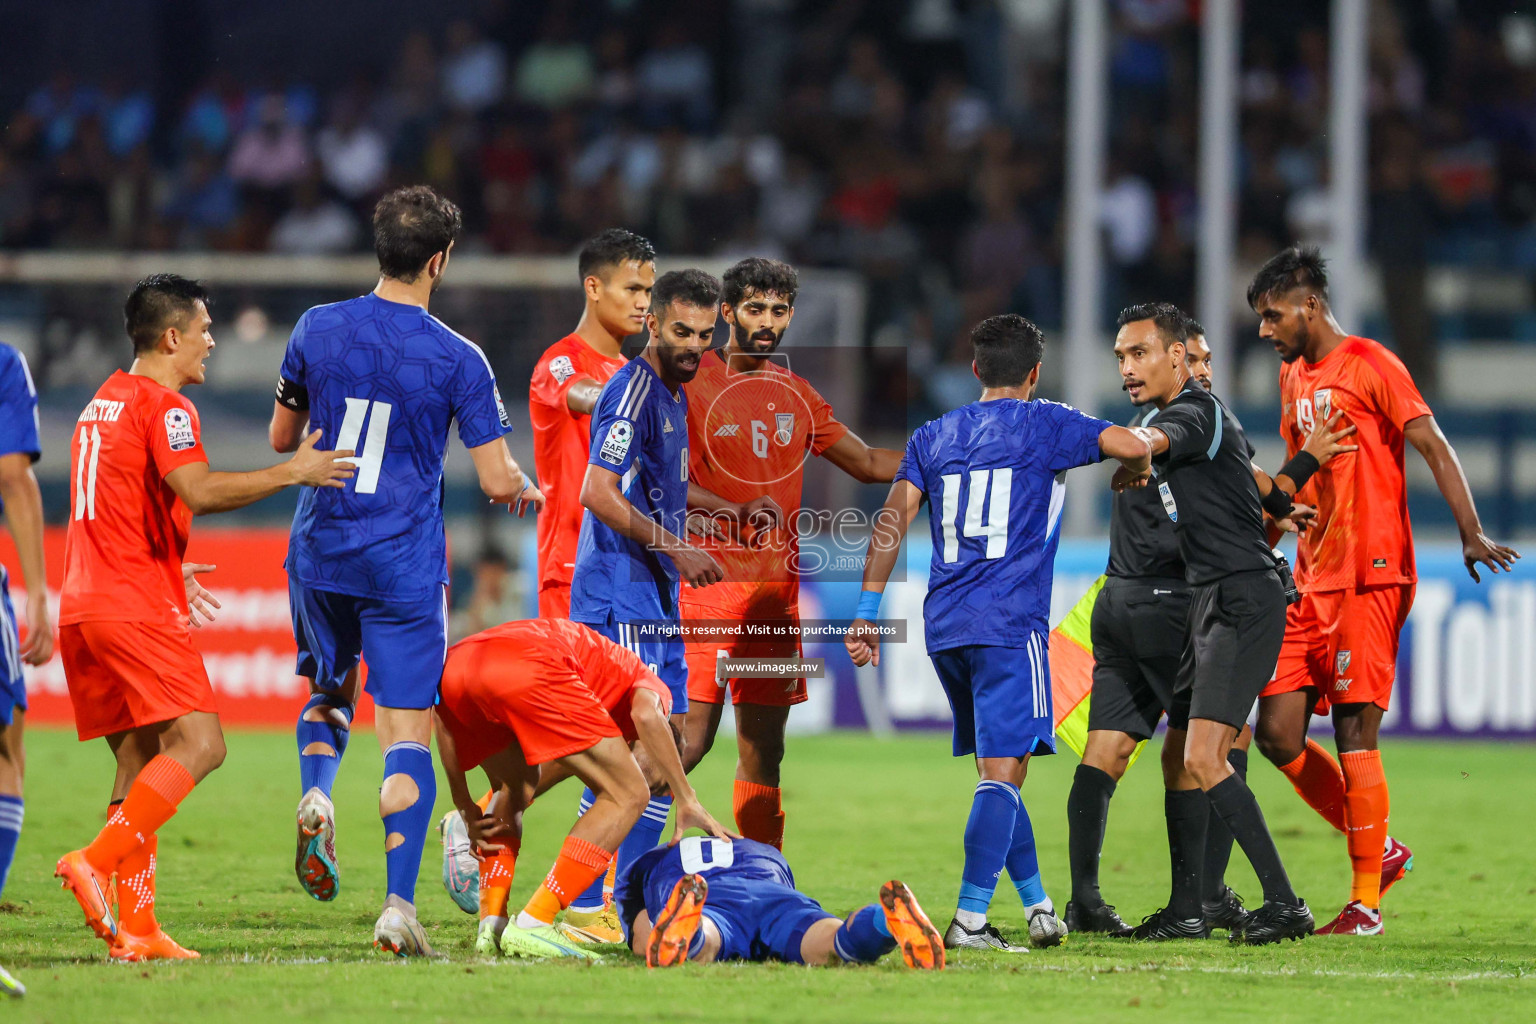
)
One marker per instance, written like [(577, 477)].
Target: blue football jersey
[(384, 379), (994, 475), (18, 406), (640, 432), (650, 879)]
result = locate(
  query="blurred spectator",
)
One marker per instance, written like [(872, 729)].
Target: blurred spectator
[(314, 224), (675, 81), (203, 204), (474, 69), (494, 597), (353, 155), (1129, 212), (272, 152), (557, 69)]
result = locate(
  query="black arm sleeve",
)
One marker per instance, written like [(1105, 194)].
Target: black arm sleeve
[(292, 396), (1300, 469), (1192, 428), (1277, 503)]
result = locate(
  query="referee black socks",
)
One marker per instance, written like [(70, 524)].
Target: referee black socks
[(1087, 818), (1235, 802), (1218, 838), (1188, 813)]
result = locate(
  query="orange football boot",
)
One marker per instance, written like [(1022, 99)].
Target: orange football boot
[(91, 889), (919, 941), (674, 928), (131, 948)]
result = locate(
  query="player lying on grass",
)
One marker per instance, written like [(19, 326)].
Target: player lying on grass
[(551, 691), (705, 900)]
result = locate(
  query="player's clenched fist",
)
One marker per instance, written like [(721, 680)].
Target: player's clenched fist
[(863, 643), (698, 568), (312, 467)]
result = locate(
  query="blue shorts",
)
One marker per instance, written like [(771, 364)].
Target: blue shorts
[(663, 657), (404, 641), (760, 920), (1000, 697), (13, 686)]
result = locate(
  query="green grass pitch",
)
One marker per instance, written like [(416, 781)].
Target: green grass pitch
[(1460, 942)]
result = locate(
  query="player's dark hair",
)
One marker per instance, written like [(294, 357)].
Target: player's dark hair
[(757, 275), (410, 226), (1008, 347), (1300, 266), (1192, 328), (158, 302), (610, 248), (690, 287), (1171, 322)]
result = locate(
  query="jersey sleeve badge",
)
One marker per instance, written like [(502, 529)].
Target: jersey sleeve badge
[(561, 369), (178, 430), (785, 422), (616, 444), (501, 407)]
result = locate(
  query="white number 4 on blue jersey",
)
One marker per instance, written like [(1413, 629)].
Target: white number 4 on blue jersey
[(994, 528), (369, 458), (700, 853)]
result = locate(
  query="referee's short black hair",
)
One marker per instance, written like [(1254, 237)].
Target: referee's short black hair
[(610, 248), (690, 287), (1008, 347), (760, 276), (410, 226), (1172, 323), (1300, 266), (158, 302)]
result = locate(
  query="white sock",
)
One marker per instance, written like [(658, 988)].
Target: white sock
[(527, 920), (496, 924), (970, 920), (1046, 905)]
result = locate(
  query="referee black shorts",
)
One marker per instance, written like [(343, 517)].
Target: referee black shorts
[(1138, 630), (1235, 628)]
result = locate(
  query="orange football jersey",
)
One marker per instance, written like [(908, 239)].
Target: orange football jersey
[(1362, 536), (127, 529), (561, 439), (749, 434)]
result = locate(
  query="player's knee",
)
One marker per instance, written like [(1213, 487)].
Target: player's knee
[(1277, 745), (1205, 767), (1110, 753), (211, 752), (631, 794)]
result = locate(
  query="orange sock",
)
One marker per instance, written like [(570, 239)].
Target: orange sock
[(484, 802), (758, 813), (1320, 781), (149, 804), (1365, 814), (578, 866), (608, 879), (136, 889), (496, 872)]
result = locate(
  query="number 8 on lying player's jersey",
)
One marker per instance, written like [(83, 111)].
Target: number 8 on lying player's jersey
[(994, 476)]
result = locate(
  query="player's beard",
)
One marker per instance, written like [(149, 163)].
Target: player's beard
[(747, 343), (671, 359), (1303, 341)]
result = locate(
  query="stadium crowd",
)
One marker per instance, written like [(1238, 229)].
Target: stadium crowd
[(923, 149)]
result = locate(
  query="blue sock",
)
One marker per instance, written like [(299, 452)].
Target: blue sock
[(645, 836), (988, 834), (10, 832), (864, 937), (319, 770), (592, 899), (403, 863), (1023, 865)]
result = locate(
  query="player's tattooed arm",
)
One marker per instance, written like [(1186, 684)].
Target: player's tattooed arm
[(891, 524), (865, 464), (205, 491), (601, 496), (581, 397), (24, 518), (1477, 548), (502, 479), (656, 737)]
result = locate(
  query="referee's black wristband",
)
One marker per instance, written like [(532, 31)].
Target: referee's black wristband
[(1300, 468), (1277, 503)]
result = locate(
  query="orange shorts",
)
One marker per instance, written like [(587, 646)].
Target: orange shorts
[(124, 675), (555, 601), (705, 686), (1344, 643), (492, 699)]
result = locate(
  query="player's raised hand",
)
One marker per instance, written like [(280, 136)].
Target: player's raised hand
[(697, 567), (200, 603), (691, 814), (314, 467), (531, 500), (863, 643), (1128, 480), (1301, 518), (38, 647), (1325, 441), (1481, 549)]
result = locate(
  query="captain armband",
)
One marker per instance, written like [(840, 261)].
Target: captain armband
[(292, 396)]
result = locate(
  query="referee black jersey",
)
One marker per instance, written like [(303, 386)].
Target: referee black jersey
[(1141, 540), (1204, 484)]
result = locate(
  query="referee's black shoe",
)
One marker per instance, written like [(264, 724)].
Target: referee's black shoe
[(1275, 921), (1162, 925), (1101, 919), (1226, 912)]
